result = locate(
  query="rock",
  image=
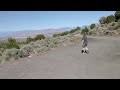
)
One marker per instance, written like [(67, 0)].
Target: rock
[(30, 56)]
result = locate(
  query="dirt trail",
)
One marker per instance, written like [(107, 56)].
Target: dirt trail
[(69, 63)]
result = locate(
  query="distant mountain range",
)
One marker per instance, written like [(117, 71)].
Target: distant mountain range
[(32, 33)]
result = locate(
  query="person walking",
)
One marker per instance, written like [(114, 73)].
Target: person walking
[(85, 44)]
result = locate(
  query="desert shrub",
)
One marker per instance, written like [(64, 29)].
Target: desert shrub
[(61, 34), (29, 40), (38, 50), (11, 54), (102, 20), (10, 46), (16, 57), (51, 42), (117, 15), (42, 49), (72, 31), (102, 25), (85, 30), (15, 54), (90, 32), (59, 41), (92, 26), (39, 37), (42, 45), (23, 53), (6, 55), (117, 26), (40, 42), (6, 58), (110, 19), (0, 56), (12, 43), (30, 48), (111, 28), (56, 35), (32, 43), (113, 24), (65, 33)]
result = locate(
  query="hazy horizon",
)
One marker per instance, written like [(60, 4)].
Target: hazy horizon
[(37, 20)]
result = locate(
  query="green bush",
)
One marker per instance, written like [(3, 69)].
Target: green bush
[(117, 15), (62, 34), (72, 31), (102, 20), (39, 37), (29, 40), (92, 26), (85, 30), (65, 33), (12, 43), (22, 42), (110, 19), (56, 35)]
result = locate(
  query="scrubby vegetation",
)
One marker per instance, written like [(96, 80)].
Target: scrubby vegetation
[(74, 30), (67, 32), (13, 50), (85, 30), (117, 15), (12, 43), (29, 40), (39, 37), (110, 19), (102, 20), (92, 26), (56, 35), (64, 33), (109, 25)]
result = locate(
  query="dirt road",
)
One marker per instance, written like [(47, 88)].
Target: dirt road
[(103, 61)]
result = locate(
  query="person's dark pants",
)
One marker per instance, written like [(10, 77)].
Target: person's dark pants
[(85, 47)]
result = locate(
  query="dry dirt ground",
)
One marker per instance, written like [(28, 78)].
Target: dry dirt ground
[(103, 62)]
